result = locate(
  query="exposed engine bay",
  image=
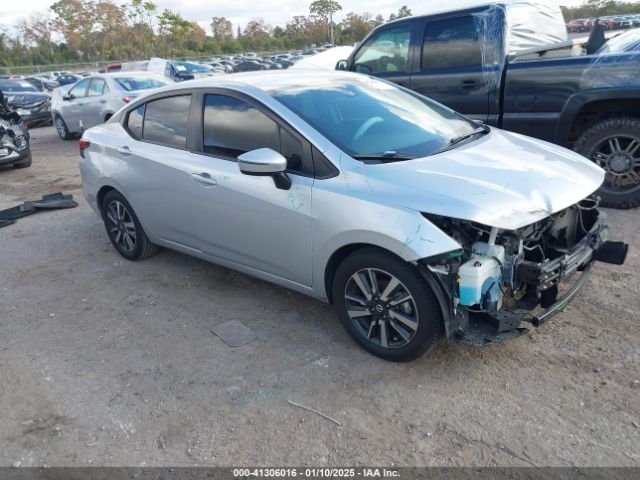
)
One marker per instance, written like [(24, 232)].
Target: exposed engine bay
[(504, 276)]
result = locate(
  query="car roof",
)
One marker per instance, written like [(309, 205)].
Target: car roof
[(268, 80)]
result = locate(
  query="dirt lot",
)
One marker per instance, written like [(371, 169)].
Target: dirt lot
[(104, 361)]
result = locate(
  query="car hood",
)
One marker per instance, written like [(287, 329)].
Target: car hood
[(27, 99), (502, 179)]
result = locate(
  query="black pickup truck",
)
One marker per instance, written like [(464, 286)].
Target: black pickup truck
[(555, 92)]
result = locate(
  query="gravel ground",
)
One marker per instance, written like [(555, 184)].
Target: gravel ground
[(109, 362)]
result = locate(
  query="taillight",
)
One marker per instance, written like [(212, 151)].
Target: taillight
[(84, 144), (126, 99)]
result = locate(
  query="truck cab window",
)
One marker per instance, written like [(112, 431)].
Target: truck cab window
[(387, 51), (451, 43)]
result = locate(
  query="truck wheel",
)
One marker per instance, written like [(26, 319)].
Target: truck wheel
[(614, 145), (386, 305)]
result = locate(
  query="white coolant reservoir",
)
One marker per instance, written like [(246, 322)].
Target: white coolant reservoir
[(479, 275)]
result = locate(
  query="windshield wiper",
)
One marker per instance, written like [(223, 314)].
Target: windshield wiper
[(481, 129), (388, 156)]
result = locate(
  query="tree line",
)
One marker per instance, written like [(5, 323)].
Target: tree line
[(599, 8), (101, 30)]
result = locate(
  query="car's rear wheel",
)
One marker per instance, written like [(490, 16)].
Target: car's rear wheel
[(386, 305), (62, 129), (614, 145), (124, 228)]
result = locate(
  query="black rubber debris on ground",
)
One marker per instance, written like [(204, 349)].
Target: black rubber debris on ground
[(47, 202)]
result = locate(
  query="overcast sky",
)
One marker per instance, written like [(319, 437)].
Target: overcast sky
[(274, 12)]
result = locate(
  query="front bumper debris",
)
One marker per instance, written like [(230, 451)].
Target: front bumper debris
[(543, 280)]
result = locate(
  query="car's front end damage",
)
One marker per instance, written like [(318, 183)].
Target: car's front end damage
[(14, 141), (502, 281), (33, 108)]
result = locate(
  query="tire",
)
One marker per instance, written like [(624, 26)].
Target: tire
[(400, 332), (62, 129), (614, 145), (124, 229), (23, 163)]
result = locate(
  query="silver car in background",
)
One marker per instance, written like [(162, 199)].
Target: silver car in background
[(414, 221), (93, 100)]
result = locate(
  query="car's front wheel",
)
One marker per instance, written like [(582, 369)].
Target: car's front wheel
[(124, 229), (386, 305), (62, 129)]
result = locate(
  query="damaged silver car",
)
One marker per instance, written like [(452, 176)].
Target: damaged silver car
[(413, 220), (14, 137)]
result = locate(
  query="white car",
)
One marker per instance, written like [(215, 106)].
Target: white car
[(93, 100)]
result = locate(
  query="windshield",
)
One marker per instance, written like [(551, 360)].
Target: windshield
[(372, 117), (190, 67), (627, 42), (17, 87), (140, 83)]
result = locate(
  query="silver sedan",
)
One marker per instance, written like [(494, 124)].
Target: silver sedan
[(95, 99), (414, 221)]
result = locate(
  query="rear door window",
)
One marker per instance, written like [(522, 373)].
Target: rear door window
[(166, 121), (97, 87), (451, 43)]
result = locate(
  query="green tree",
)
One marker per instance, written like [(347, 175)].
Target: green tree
[(354, 27), (403, 11), (221, 28), (325, 10)]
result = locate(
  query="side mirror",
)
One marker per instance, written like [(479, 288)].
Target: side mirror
[(67, 97), (265, 162), (342, 65)]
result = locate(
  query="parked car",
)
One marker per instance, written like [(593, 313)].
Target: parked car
[(42, 84), (67, 78), (576, 26), (33, 106), (248, 66), (610, 23), (113, 67), (95, 99), (284, 62), (625, 22), (189, 70), (504, 76), (413, 220), (14, 137)]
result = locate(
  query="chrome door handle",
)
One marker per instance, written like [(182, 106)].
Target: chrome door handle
[(204, 179), (124, 150)]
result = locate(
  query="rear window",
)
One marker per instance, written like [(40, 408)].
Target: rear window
[(165, 121), (139, 83), (17, 86)]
